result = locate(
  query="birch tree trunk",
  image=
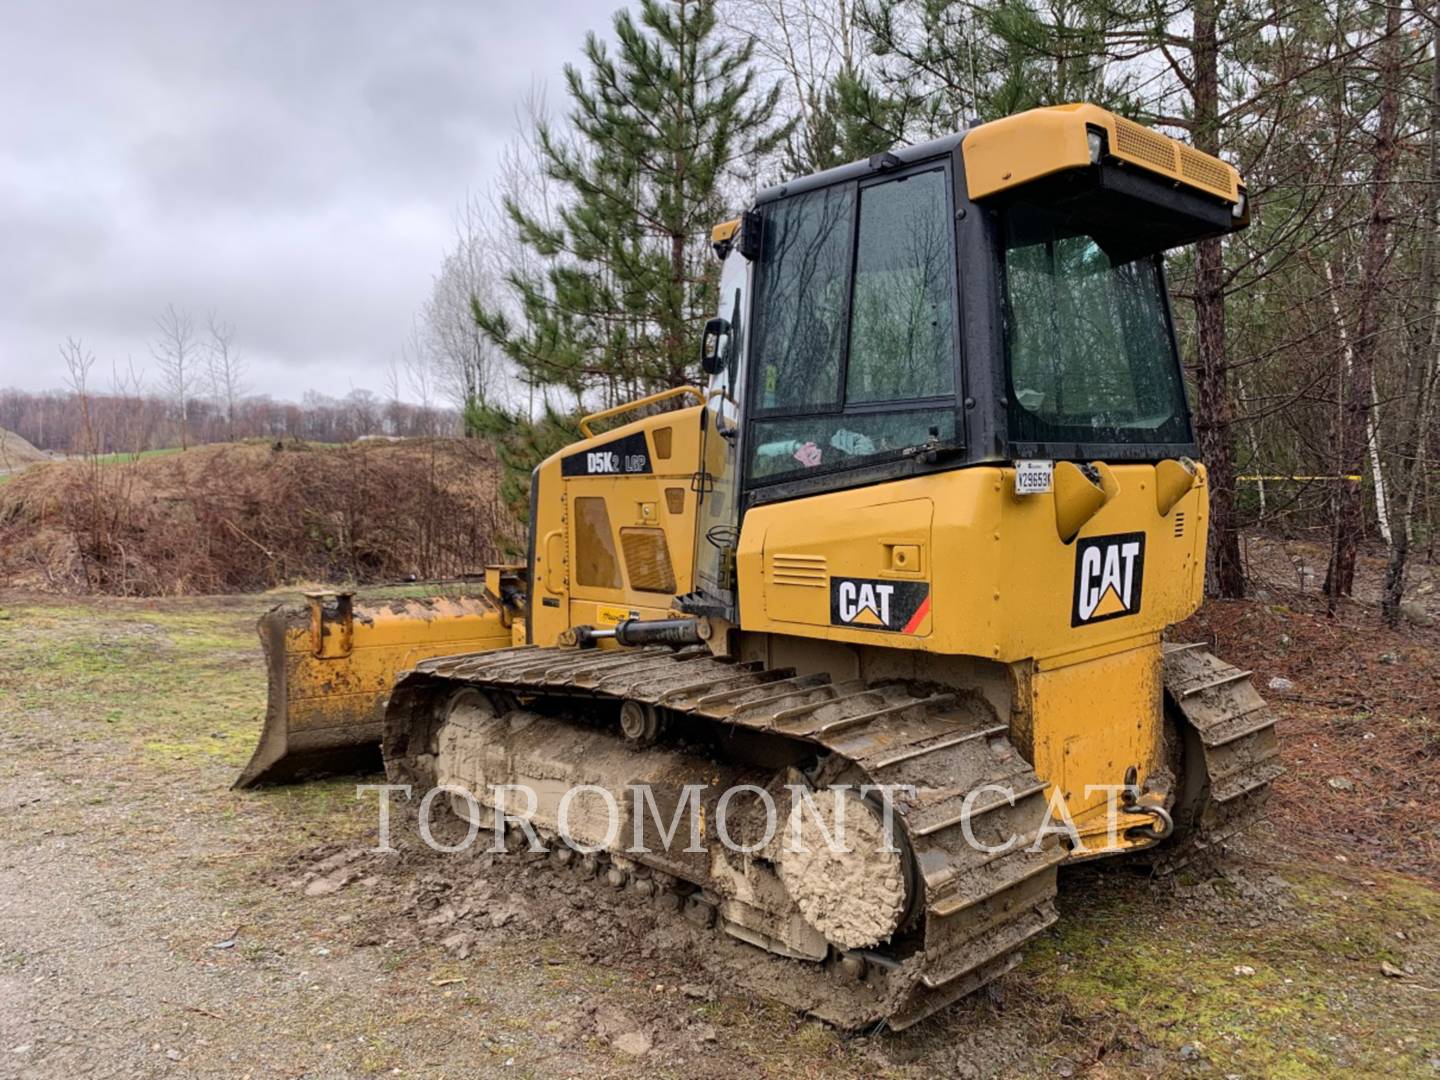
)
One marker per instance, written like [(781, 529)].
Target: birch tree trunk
[(1423, 367), (1372, 441)]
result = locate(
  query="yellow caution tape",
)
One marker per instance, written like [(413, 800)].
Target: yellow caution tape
[(1354, 478)]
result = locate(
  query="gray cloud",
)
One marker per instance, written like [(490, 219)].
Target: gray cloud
[(293, 165)]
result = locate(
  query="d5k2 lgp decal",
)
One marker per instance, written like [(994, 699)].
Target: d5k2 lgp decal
[(872, 604), (626, 456), (1109, 573)]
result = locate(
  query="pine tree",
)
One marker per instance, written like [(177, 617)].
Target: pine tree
[(944, 62), (520, 443), (659, 130), (849, 119)]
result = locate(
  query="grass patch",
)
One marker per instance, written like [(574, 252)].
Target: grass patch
[(175, 685), (121, 457), (1315, 1002)]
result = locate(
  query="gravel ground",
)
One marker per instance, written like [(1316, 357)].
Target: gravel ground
[(153, 923)]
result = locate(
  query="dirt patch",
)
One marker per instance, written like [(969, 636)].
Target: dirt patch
[(1297, 567), (478, 901), (1358, 704), (154, 923), (16, 453), (1245, 964)]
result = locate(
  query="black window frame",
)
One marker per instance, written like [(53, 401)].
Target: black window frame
[(877, 466)]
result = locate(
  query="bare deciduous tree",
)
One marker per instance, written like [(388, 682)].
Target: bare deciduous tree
[(419, 376), (127, 389), (1359, 383), (394, 397), (79, 361), (468, 366), (177, 351), (225, 369), (364, 411), (807, 45)]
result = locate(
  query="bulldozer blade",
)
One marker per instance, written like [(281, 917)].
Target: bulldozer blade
[(331, 664)]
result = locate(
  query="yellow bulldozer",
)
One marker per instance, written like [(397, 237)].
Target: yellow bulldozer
[(919, 534)]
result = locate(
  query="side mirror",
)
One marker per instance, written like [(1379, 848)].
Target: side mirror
[(712, 357), (749, 240)]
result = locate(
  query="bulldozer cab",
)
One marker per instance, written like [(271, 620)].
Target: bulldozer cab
[(993, 296)]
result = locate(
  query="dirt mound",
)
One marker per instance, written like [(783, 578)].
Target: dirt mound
[(16, 453), (245, 517)]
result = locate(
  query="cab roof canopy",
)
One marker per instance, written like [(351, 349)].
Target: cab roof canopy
[(1109, 176)]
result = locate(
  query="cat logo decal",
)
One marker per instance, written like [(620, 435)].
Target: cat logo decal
[(1109, 573), (872, 604)]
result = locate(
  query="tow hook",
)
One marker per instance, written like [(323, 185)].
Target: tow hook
[(1161, 825), (1159, 829)]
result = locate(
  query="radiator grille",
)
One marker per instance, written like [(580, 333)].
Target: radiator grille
[(1135, 142), (806, 571), (647, 560), (1200, 169)]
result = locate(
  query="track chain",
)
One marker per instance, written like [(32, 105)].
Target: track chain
[(978, 909), (1234, 732)]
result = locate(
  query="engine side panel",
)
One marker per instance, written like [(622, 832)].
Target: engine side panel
[(957, 566), (615, 525)]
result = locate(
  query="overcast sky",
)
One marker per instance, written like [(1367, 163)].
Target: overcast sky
[(293, 164)]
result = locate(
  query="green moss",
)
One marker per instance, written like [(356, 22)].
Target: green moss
[(1315, 1004)]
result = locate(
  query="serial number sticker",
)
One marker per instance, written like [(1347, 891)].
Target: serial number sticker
[(1034, 477)]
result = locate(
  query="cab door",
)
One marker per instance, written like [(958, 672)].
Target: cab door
[(717, 482)]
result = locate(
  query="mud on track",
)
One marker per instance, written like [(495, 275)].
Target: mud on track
[(153, 923)]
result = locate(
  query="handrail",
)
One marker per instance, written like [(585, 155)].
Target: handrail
[(720, 392), (652, 399)]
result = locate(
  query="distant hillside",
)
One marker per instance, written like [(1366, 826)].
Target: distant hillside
[(16, 453), (244, 517)]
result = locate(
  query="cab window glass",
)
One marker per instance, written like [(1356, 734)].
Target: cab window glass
[(829, 442), (803, 298), (902, 324), (857, 351), (1090, 352)]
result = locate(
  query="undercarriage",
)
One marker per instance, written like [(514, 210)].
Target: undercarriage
[(718, 790)]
